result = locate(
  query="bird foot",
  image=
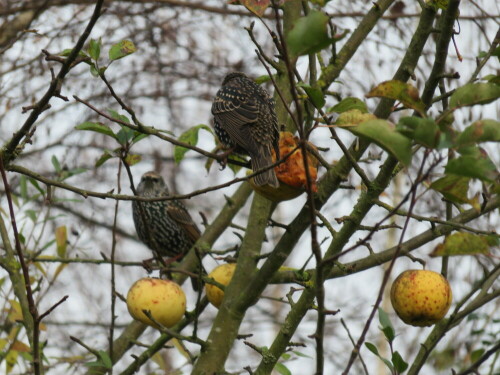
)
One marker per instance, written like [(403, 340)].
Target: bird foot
[(222, 158), (148, 265)]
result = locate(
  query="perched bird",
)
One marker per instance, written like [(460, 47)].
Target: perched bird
[(166, 227), (245, 121)]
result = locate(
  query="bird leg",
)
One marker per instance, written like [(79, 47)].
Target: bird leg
[(222, 158), (162, 263)]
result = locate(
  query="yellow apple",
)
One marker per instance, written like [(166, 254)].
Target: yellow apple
[(421, 298), (223, 275), (164, 299)]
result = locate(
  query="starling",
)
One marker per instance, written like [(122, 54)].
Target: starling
[(166, 227), (245, 121)]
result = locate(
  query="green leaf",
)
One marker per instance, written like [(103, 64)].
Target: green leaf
[(236, 157), (139, 136), (71, 172), (347, 104), (384, 135), (121, 49), (23, 185), (96, 127), (190, 137), (314, 93), (476, 354), (262, 79), (309, 34), (371, 347), (300, 354), (438, 4), (125, 135), (35, 184), (284, 356), (453, 188), (492, 78), (106, 155), (282, 369), (401, 91), (67, 52), (32, 214), (399, 364), (480, 131), (353, 117), (56, 164), (93, 70), (477, 165), (119, 117), (386, 325), (374, 350), (465, 243), (474, 94), (106, 360), (423, 131), (94, 49), (103, 361)]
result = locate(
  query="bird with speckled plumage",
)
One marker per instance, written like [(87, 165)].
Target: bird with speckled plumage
[(245, 120), (166, 227)]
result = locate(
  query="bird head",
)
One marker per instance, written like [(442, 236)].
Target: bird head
[(152, 185), (233, 75)]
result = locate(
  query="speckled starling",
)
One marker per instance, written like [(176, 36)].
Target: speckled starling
[(245, 120), (166, 227)]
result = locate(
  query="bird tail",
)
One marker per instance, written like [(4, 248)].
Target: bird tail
[(260, 161)]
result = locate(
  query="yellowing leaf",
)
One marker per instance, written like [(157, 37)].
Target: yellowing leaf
[(3, 342), (61, 240), (257, 7), (353, 117), (14, 332), (11, 360), (474, 94), (59, 269), (401, 91), (121, 49), (20, 347), (40, 267), (132, 159), (15, 312), (465, 244), (453, 187), (180, 347)]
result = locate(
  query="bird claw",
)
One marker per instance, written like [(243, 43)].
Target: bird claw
[(223, 158), (148, 264)]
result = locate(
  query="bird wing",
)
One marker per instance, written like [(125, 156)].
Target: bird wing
[(184, 219), (236, 113)]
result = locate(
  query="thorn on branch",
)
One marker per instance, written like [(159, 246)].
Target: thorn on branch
[(243, 337), (417, 260), (34, 106), (273, 223), (296, 344), (254, 347), (52, 308)]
